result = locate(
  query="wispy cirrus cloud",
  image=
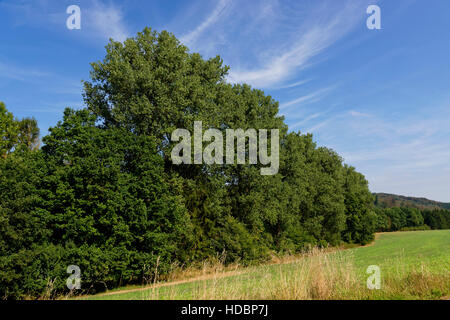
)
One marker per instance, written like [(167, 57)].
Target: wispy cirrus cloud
[(292, 84), (311, 97), (321, 124), (309, 40), (99, 19), (21, 73), (305, 120), (358, 114), (106, 20), (276, 39), (408, 155), (212, 18), (60, 84)]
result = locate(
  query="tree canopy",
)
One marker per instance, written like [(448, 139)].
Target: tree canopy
[(16, 133), (102, 193)]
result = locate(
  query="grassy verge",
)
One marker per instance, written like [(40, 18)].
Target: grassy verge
[(414, 265)]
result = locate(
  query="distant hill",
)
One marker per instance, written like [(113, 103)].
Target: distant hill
[(386, 200)]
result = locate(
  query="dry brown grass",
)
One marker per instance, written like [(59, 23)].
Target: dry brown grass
[(320, 274), (317, 275)]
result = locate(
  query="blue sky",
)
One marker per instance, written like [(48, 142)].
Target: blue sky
[(380, 98)]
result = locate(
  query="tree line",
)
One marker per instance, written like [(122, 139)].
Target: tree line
[(102, 192), (406, 218)]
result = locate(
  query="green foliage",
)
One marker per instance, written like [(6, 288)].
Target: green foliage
[(8, 131), (103, 193), (151, 85), (405, 218), (28, 133), (437, 219), (361, 219), (92, 190), (16, 134), (419, 228)]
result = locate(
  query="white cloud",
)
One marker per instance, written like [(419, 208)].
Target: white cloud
[(306, 120), (320, 125), (358, 114), (212, 18), (312, 97), (21, 73), (99, 19), (293, 85), (410, 155), (314, 36), (106, 21), (267, 42)]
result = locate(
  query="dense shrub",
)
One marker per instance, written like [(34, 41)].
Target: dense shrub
[(419, 228)]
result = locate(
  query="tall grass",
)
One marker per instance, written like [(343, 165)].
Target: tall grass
[(318, 274)]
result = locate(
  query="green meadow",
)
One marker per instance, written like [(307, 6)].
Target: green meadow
[(413, 265), (397, 251)]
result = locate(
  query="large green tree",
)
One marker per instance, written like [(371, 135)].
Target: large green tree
[(361, 220), (28, 134), (17, 134), (104, 194), (8, 131)]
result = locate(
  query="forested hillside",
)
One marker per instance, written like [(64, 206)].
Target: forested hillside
[(397, 213), (102, 192), (386, 200)]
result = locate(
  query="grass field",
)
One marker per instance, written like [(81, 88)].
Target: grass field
[(414, 265)]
